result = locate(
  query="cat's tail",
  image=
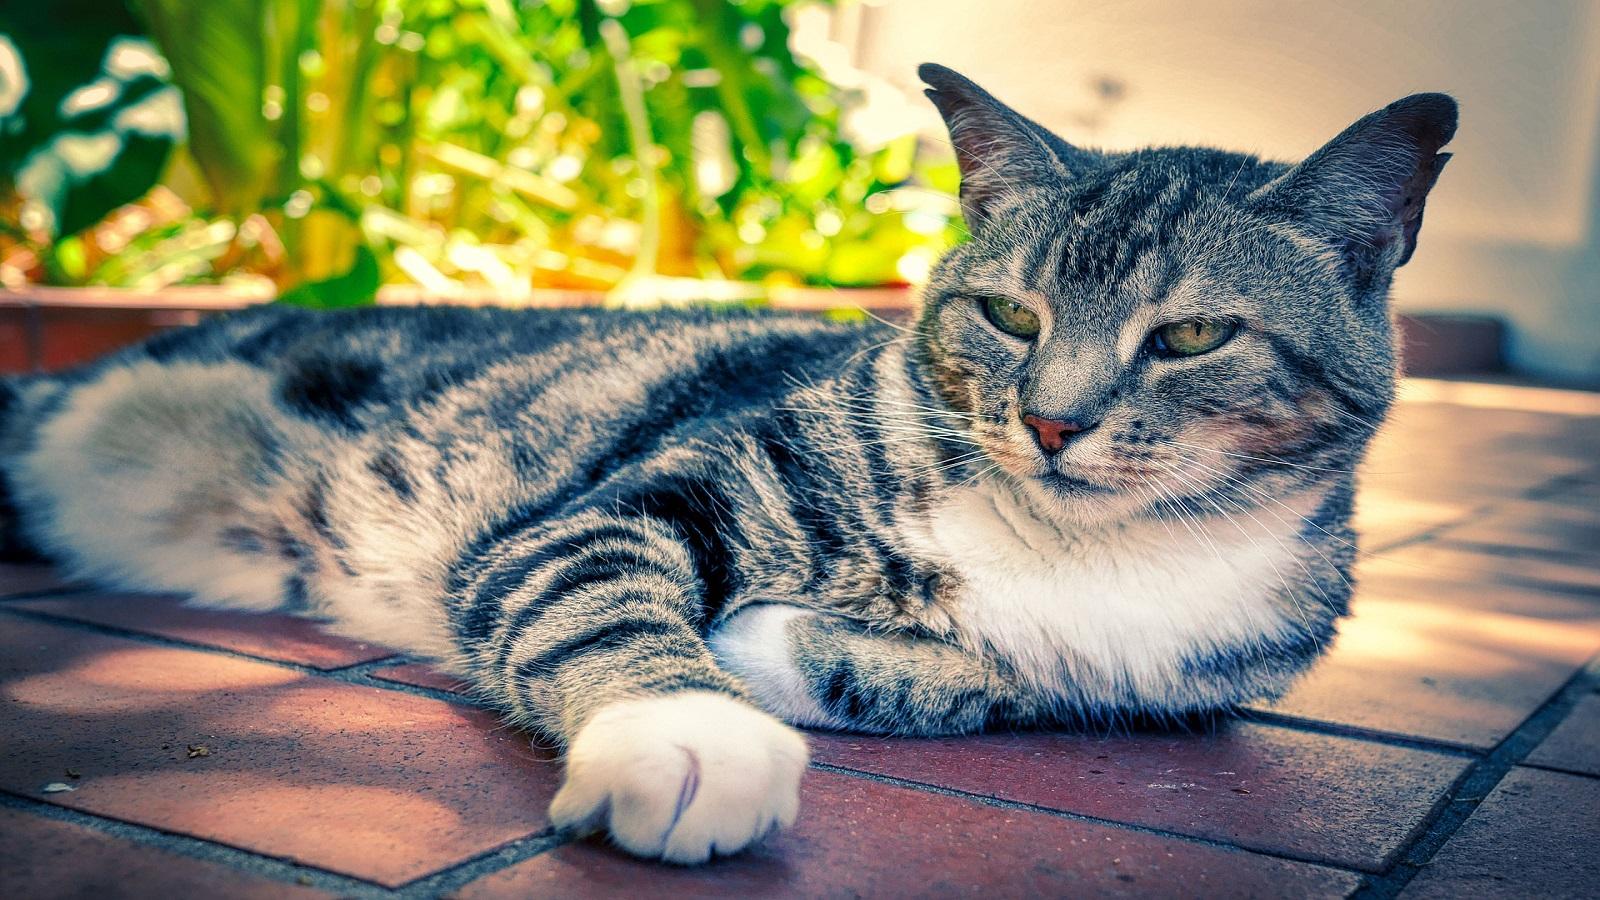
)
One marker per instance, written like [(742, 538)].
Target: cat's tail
[(25, 401)]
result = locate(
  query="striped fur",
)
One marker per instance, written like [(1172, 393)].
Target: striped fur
[(631, 530)]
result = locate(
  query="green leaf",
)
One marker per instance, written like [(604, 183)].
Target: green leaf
[(356, 287), (89, 122), (218, 50)]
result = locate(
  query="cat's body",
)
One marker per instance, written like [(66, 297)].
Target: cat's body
[(624, 529)]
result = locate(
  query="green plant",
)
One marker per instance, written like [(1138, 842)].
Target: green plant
[(87, 122), (568, 143)]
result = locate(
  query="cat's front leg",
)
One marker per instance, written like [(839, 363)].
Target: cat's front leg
[(818, 669), (587, 628)]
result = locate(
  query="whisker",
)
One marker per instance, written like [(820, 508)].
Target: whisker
[(1288, 591), (1309, 575), (1267, 459)]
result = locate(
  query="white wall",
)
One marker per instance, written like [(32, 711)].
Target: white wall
[(1513, 229)]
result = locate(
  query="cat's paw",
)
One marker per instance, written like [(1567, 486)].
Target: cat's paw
[(682, 776)]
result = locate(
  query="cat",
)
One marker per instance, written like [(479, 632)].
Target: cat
[(1106, 474)]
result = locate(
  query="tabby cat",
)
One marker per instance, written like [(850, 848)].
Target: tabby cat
[(1107, 474)]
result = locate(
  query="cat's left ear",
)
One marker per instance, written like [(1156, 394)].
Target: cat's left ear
[(1000, 151), (1366, 188)]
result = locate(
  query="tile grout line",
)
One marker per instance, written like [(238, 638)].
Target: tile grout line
[(1290, 722), (1433, 533), (179, 644), (1475, 785), (64, 591), (235, 859), (1019, 806), (286, 870), (1559, 770), (1536, 554), (359, 674), (453, 877)]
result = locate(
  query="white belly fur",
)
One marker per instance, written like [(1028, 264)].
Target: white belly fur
[(1125, 603)]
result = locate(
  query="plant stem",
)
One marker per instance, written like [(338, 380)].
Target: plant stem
[(631, 91)]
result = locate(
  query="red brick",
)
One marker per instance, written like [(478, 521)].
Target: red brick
[(377, 784), (1447, 663), (420, 675), (71, 336), (859, 838), (1534, 836), (1435, 344), (16, 354), (1312, 796), (40, 857), (1575, 744), (22, 580), (267, 635)]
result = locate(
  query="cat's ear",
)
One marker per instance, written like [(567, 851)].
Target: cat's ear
[(1366, 188), (998, 149)]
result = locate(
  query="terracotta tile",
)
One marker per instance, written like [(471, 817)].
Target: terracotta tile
[(1437, 451), (1535, 527), (267, 635), (422, 675), (1407, 582), (1443, 561), (859, 838), (1438, 668), (20, 580), (1534, 836), (1581, 495), (376, 784), (1575, 743), (1384, 518), (40, 857), (1312, 796)]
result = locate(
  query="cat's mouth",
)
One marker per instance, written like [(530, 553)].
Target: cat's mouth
[(1069, 484)]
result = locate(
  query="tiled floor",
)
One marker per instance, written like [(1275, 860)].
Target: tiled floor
[(1449, 747)]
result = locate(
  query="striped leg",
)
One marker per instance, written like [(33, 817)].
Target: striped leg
[(813, 668), (588, 628)]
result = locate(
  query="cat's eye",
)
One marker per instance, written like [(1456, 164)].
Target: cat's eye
[(1191, 338), (1011, 317)]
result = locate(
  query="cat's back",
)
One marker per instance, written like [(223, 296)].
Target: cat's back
[(333, 365)]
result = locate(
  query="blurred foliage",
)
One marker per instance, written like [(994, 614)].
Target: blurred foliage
[(333, 145)]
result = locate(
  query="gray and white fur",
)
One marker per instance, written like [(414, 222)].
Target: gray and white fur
[(653, 536)]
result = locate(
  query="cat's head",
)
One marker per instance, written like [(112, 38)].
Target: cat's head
[(1124, 329)]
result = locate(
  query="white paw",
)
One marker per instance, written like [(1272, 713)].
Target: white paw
[(681, 776)]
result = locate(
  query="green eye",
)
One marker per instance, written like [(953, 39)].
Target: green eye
[(1191, 338), (1011, 317)]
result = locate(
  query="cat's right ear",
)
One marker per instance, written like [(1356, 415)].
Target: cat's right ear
[(998, 149)]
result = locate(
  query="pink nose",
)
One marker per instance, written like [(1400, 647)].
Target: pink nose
[(1051, 434)]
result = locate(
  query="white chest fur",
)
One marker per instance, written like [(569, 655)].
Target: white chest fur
[(1114, 608)]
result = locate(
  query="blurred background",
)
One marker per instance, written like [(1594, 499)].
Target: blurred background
[(162, 158)]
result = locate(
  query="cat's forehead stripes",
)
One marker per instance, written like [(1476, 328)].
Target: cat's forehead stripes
[(1136, 214)]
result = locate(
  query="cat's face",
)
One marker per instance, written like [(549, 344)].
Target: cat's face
[(1172, 327)]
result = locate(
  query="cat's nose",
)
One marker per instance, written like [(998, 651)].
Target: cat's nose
[(1053, 434)]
